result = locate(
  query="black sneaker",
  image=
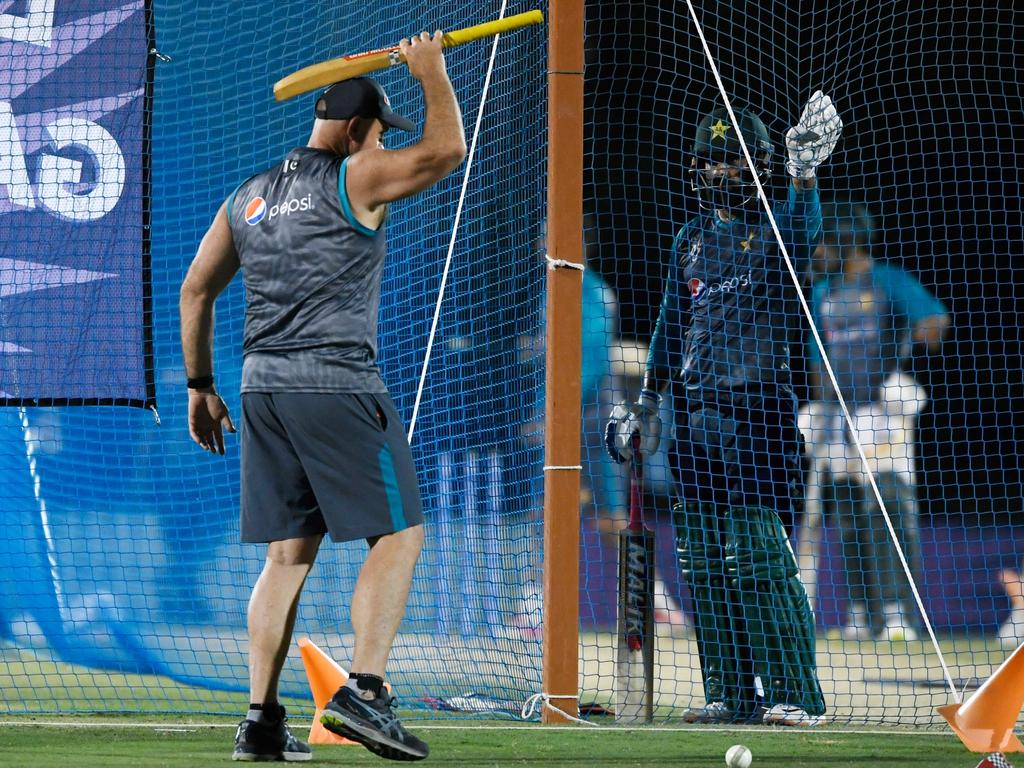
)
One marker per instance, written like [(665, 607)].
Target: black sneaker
[(267, 742), (372, 724)]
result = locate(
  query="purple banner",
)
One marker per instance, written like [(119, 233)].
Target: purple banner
[(73, 248), (959, 583)]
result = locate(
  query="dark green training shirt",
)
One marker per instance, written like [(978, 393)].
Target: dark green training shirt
[(312, 277), (730, 306)]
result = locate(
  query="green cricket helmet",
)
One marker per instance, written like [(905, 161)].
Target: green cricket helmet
[(716, 144)]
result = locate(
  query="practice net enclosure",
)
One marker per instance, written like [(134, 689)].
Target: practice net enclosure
[(124, 124), (910, 287), (124, 584)]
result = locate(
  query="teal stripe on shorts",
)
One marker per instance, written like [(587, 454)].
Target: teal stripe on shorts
[(391, 488)]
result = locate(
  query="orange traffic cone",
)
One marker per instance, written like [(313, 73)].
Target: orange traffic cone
[(985, 721), (325, 677)]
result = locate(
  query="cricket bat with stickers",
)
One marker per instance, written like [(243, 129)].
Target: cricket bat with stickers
[(357, 64), (634, 663)]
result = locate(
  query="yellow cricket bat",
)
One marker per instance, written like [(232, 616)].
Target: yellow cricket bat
[(326, 72)]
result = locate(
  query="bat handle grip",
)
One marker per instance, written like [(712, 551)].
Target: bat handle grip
[(636, 486), (487, 29), (637, 462)]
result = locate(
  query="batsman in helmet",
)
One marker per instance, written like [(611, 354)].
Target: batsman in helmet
[(721, 345)]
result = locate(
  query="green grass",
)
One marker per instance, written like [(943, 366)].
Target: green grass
[(34, 683), (200, 744), (31, 682)]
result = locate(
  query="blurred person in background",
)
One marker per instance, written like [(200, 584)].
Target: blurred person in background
[(1011, 631), (873, 319), (604, 484)]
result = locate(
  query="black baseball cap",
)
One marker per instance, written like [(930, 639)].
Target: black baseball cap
[(360, 96)]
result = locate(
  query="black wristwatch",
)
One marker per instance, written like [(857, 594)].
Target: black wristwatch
[(200, 382)]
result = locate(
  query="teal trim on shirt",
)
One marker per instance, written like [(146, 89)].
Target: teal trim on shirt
[(391, 489), (231, 197), (231, 200), (346, 207)]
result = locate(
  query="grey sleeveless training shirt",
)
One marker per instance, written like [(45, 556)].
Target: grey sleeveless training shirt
[(312, 277)]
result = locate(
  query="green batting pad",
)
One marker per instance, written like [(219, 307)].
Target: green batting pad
[(701, 556), (772, 607)]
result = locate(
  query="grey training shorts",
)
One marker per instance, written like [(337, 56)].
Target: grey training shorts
[(317, 463)]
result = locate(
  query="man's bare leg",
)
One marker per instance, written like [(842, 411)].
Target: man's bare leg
[(359, 710), (272, 609), (263, 734), (378, 603)]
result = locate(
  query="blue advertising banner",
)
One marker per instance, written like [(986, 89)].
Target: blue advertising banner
[(74, 118)]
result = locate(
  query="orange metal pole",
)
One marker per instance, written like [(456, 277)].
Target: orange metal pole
[(563, 398)]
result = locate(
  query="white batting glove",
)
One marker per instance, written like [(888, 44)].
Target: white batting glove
[(628, 419), (813, 138)]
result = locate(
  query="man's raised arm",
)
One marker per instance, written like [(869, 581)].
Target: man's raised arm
[(377, 176)]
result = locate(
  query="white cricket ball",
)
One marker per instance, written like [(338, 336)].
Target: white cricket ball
[(738, 756)]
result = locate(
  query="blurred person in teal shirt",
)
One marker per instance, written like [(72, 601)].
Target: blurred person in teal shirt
[(604, 484), (873, 319)]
